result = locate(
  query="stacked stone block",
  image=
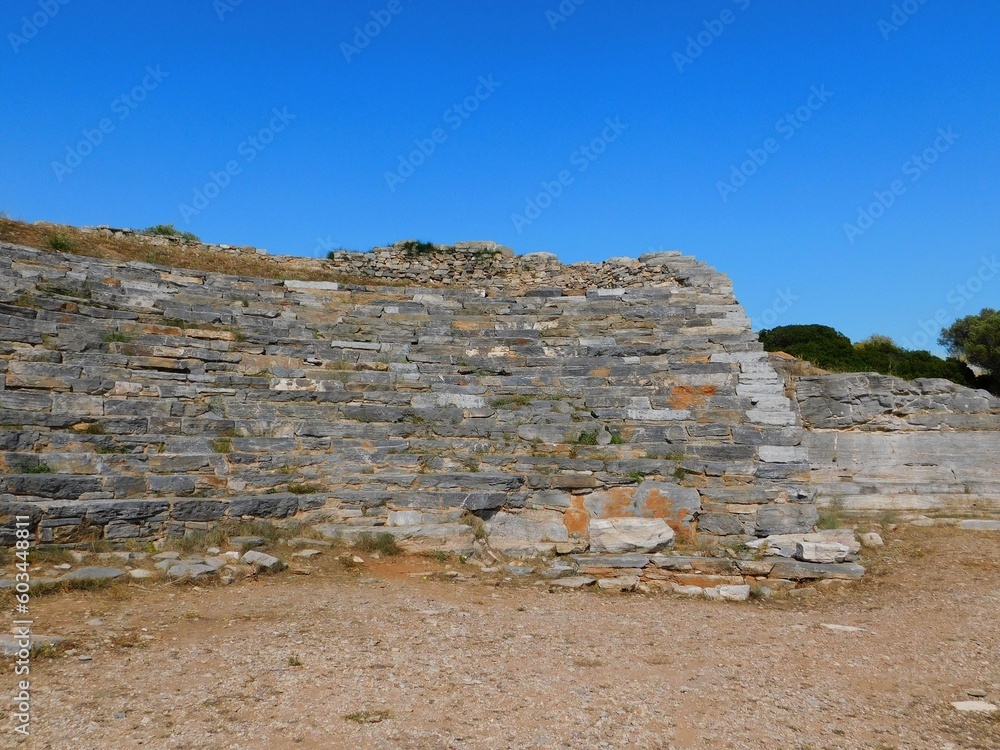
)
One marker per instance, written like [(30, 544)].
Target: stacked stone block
[(139, 400)]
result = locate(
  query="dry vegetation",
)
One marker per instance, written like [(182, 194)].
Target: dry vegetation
[(196, 257)]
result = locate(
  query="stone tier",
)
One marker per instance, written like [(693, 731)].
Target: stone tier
[(138, 400)]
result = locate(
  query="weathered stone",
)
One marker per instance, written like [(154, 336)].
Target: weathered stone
[(611, 561), (786, 519), (821, 553), (979, 525), (617, 535), (800, 571), (734, 593), (870, 539), (575, 582), (262, 561), (619, 583), (247, 542), (723, 524), (95, 574)]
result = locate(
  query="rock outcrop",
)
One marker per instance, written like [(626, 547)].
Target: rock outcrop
[(881, 443)]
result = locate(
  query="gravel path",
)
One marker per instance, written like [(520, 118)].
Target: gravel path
[(419, 661)]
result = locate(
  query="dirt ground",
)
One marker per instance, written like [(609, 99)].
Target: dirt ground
[(394, 655)]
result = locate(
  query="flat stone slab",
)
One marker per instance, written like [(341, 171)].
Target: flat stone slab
[(975, 525), (574, 582), (624, 535), (734, 593), (246, 542), (611, 561), (980, 707), (800, 571), (260, 560), (690, 562), (92, 574), (191, 571), (619, 583)]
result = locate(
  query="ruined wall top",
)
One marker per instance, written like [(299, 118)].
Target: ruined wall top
[(484, 264)]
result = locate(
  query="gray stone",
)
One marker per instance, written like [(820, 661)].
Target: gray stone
[(262, 561), (246, 542), (870, 539), (978, 525), (734, 593), (10, 644), (819, 552), (611, 561), (575, 582), (191, 571), (786, 519), (617, 535), (619, 583), (723, 524), (800, 571), (92, 574), (519, 570)]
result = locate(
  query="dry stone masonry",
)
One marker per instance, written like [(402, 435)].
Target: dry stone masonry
[(472, 400)]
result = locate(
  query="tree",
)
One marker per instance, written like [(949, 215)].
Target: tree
[(822, 345), (828, 348), (976, 338)]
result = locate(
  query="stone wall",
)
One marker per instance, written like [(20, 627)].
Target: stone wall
[(489, 266), (881, 443), (138, 400)]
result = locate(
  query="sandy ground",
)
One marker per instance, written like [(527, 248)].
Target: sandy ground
[(279, 662)]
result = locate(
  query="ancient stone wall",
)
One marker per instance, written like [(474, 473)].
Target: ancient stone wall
[(881, 443), (139, 400)]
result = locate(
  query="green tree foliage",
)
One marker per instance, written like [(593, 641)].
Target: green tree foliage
[(830, 349), (976, 338), (823, 346)]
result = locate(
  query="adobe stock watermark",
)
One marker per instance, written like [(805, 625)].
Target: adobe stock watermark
[(363, 35), (562, 12), (454, 117), (31, 25), (249, 149), (783, 301), (122, 106), (899, 17), (787, 127), (915, 167), (957, 298), (224, 7), (713, 29), (581, 159)]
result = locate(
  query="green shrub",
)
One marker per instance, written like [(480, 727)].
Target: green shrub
[(169, 230), (61, 243), (830, 349), (117, 337), (303, 489), (587, 438), (416, 247), (832, 516), (39, 467), (478, 526), (222, 445), (384, 543)]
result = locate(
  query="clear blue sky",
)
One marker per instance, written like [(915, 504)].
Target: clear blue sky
[(870, 92)]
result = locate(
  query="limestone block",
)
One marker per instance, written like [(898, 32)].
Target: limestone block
[(618, 535)]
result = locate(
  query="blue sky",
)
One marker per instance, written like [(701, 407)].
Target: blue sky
[(839, 159)]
